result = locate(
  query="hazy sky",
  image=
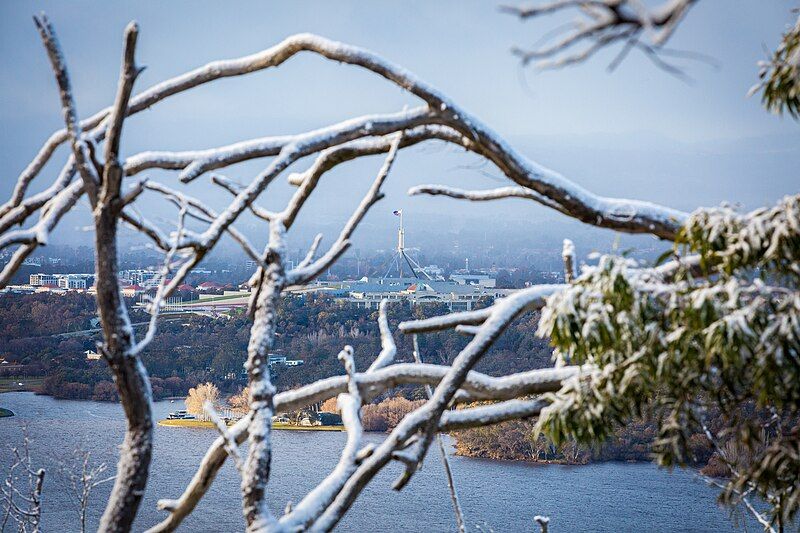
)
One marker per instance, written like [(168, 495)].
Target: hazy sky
[(637, 132)]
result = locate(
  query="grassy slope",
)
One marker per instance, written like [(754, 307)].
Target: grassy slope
[(12, 384)]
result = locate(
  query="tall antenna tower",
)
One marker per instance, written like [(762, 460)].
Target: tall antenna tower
[(400, 256)]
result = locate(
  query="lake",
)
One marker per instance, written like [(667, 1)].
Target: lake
[(496, 495)]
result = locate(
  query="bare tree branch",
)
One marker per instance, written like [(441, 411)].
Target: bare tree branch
[(437, 119), (603, 24), (388, 346), (309, 272)]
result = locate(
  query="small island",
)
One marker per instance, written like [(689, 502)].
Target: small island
[(195, 416)]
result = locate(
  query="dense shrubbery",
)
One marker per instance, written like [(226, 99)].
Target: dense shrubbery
[(517, 440), (385, 415), (200, 349), (722, 332), (65, 385)]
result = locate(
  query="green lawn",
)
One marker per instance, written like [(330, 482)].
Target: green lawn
[(13, 384)]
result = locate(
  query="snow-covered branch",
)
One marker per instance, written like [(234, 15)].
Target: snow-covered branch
[(437, 119), (449, 321), (499, 193), (234, 189), (39, 234), (388, 346), (316, 501), (158, 299), (476, 386), (451, 484), (307, 273), (534, 298)]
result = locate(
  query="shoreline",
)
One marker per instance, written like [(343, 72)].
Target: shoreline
[(207, 424)]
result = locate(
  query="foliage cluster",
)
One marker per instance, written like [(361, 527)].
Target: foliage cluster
[(720, 332)]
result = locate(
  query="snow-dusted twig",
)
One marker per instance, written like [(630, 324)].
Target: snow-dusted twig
[(330, 158), (742, 497), (158, 299), (231, 446), (23, 209), (139, 223), (307, 273), (312, 250), (723, 456), (83, 477), (451, 484), (449, 321), (23, 505), (485, 415), (467, 330), (39, 234), (231, 187), (499, 193), (316, 501), (466, 319), (605, 23)]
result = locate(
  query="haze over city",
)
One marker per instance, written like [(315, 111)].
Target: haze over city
[(615, 133)]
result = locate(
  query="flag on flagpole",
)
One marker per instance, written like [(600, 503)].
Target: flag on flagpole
[(397, 212)]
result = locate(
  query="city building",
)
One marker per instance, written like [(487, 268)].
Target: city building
[(132, 291), (144, 278), (74, 281), (62, 281), (483, 280), (277, 359), (367, 293), (41, 280)]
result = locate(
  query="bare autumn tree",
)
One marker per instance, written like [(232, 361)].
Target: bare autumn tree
[(82, 476), (21, 491), (329, 406), (240, 402), (100, 178), (199, 395)]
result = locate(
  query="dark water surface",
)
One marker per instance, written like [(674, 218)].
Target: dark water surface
[(495, 495)]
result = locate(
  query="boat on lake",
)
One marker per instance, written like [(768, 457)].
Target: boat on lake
[(180, 415)]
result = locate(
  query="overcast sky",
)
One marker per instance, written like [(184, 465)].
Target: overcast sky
[(637, 132)]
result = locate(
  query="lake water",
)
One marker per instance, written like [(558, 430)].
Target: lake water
[(495, 495)]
